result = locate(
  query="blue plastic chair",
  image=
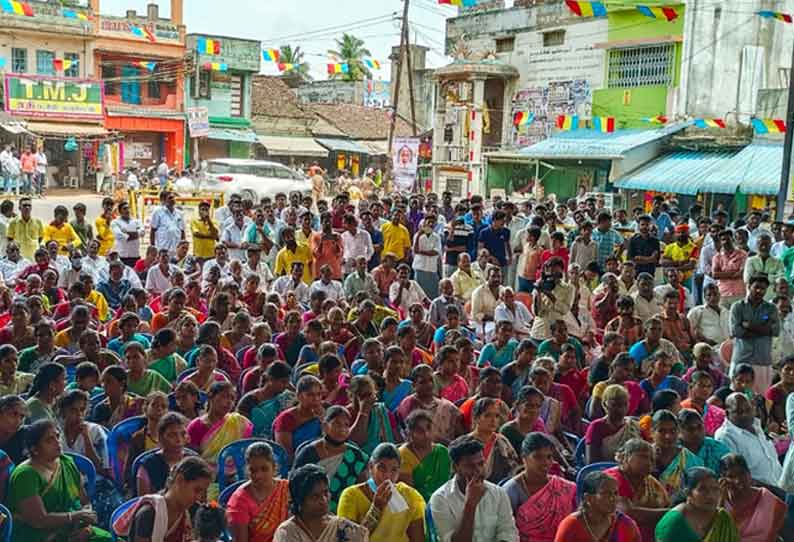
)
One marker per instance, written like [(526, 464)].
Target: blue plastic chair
[(236, 452), (594, 467), (117, 514), (88, 470), (579, 455), (7, 526), (137, 465), (96, 399), (226, 494), (172, 400), (122, 433)]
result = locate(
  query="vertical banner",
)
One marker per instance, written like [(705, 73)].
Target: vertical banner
[(198, 121), (405, 157)]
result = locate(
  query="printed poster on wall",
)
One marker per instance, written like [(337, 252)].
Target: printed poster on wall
[(198, 121), (405, 157)]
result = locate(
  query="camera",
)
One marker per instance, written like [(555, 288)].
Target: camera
[(547, 282)]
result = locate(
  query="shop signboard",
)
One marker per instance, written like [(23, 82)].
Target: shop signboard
[(198, 121), (53, 97), (139, 29)]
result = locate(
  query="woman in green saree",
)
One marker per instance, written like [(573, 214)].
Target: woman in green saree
[(163, 357), (273, 395), (424, 464), (373, 422), (343, 461), (46, 491), (699, 518), (672, 459)]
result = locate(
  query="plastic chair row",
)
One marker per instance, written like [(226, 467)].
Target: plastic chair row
[(236, 453)]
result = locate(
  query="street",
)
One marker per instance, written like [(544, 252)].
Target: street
[(43, 207)]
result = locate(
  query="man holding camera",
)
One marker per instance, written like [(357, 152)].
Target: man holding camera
[(552, 299)]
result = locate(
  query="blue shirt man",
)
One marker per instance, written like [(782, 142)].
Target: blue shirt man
[(496, 239)]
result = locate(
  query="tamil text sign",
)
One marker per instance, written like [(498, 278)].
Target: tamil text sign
[(34, 96), (198, 121)]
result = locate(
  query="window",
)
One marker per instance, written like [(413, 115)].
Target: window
[(554, 38), (19, 60), (641, 66), (153, 88), (505, 45), (204, 79), (237, 96), (44, 62), (130, 85), (74, 69), (108, 76)]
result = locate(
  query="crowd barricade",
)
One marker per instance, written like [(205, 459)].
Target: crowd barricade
[(143, 201)]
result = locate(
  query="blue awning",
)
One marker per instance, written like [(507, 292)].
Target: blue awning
[(683, 172), (757, 168), (341, 145), (241, 135)]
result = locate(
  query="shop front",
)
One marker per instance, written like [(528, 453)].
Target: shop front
[(150, 140), (344, 155)]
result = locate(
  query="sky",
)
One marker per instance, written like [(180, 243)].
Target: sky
[(297, 22)]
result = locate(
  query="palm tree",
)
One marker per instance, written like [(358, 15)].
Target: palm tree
[(288, 55), (351, 51)]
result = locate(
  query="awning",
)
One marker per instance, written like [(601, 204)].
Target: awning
[(292, 146), (66, 129), (756, 169), (377, 147), (684, 172), (15, 128), (242, 135), (341, 145)]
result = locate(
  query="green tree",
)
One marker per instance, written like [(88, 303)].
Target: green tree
[(288, 55), (351, 51)]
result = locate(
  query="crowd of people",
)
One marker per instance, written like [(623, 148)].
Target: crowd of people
[(398, 368)]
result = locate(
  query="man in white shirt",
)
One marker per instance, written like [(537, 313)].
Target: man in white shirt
[(127, 232), (158, 279), (355, 242), (167, 225), (6, 214), (404, 292), (6, 158), (132, 180), (515, 312), (221, 261), (754, 229), (427, 254), (233, 234), (12, 264), (255, 266), (41, 170), (293, 283), (333, 288), (710, 323), (162, 174), (468, 507), (743, 434), (484, 301)]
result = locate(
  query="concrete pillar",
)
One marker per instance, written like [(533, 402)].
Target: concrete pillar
[(476, 181), (94, 5), (177, 12)]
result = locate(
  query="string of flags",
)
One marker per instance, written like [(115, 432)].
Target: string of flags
[(568, 123), (285, 67), (338, 68), (72, 14), (208, 47), (604, 124), (785, 17), (271, 55), (710, 123), (146, 65), (17, 8), (143, 32), (658, 119), (216, 66), (372, 64), (523, 118), (584, 8), (63, 64), (769, 126), (459, 3)]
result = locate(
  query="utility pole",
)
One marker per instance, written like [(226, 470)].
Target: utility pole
[(785, 171), (410, 76), (397, 83)]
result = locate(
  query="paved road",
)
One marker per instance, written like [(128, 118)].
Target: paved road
[(43, 207)]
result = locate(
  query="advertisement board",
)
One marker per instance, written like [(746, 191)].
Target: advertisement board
[(42, 96)]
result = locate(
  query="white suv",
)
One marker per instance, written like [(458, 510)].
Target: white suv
[(252, 179)]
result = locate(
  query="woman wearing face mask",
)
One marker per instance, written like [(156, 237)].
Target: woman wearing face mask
[(758, 513), (540, 500), (700, 517), (172, 437), (645, 498), (48, 385), (259, 506), (343, 461), (166, 516), (370, 504)]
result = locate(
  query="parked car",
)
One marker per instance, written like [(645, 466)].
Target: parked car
[(253, 179)]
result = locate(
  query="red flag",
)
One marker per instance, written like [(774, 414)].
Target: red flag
[(27, 9), (670, 13), (216, 46), (574, 6), (781, 125)]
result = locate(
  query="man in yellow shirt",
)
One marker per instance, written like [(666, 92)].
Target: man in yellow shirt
[(104, 234), (293, 252), (205, 233), (396, 238), (682, 254), (26, 230), (61, 231)]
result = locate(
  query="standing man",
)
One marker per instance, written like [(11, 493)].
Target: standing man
[(41, 170), (327, 248), (727, 267), (6, 215), (26, 230), (396, 238), (754, 322), (375, 236), (754, 230), (356, 242), (162, 174), (6, 157), (167, 225), (763, 262), (28, 164), (427, 251), (127, 232), (233, 234), (660, 216), (610, 242), (318, 182), (104, 234), (681, 254), (496, 239), (205, 233)]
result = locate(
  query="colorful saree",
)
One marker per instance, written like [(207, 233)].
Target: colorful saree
[(262, 518), (393, 398), (612, 443), (537, 516), (455, 391), (60, 495), (180, 531), (430, 473), (379, 429), (652, 495), (210, 440), (573, 529), (169, 367), (343, 469), (501, 460), (713, 416), (673, 475), (673, 527), (264, 414)]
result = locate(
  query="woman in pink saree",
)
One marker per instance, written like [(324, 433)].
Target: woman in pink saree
[(540, 501), (448, 383)]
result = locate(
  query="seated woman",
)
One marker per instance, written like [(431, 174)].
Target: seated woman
[(701, 386), (540, 500), (12, 381), (206, 373), (647, 500), (46, 495), (292, 339), (447, 420), (490, 385), (240, 335), (501, 460), (154, 470), (311, 520), (12, 432), (301, 423), (606, 435), (449, 384), (343, 461), (188, 400), (166, 516), (368, 504), (699, 517), (660, 377), (265, 355), (759, 515), (693, 437), (260, 505), (424, 464), (128, 327), (263, 404), (140, 380), (777, 395), (373, 422), (396, 388), (147, 437), (163, 358), (48, 385), (118, 404), (527, 417), (672, 459), (79, 436), (186, 334), (18, 332), (598, 519), (333, 375), (220, 426), (210, 333)]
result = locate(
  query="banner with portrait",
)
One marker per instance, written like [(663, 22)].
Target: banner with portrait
[(405, 157)]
